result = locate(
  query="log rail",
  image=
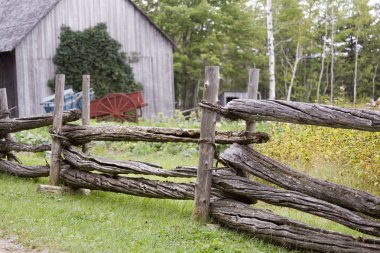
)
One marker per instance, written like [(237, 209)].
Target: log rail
[(299, 113)]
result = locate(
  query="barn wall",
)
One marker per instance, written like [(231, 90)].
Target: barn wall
[(125, 24), (8, 78)]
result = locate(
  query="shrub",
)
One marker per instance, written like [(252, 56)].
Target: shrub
[(93, 51)]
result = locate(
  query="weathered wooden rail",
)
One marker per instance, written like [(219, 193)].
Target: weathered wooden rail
[(299, 113), (222, 193)]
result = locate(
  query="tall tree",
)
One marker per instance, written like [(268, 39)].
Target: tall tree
[(272, 78)]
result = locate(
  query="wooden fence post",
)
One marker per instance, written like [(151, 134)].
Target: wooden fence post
[(4, 106), (85, 106), (252, 90), (206, 146), (57, 127)]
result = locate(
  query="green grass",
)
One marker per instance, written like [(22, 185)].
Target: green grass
[(109, 222)]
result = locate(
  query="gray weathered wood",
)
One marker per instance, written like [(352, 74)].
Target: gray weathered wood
[(133, 186), (206, 146), (78, 135), (22, 170), (85, 106), (20, 124), (56, 145), (256, 191), (241, 157), (289, 233), (126, 23), (300, 113), (252, 92), (89, 163), (8, 145), (51, 189), (4, 107), (4, 114)]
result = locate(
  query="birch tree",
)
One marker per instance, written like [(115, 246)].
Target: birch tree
[(272, 78)]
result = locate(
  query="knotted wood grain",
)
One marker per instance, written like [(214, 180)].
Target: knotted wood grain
[(299, 113), (286, 232), (241, 157)]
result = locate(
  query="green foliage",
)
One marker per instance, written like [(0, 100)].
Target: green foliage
[(353, 155), (93, 51)]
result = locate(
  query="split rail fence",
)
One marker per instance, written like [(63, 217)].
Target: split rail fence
[(224, 194)]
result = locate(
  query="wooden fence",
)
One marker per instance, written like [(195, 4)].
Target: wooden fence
[(224, 194)]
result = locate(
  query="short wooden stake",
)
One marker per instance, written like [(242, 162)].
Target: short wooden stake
[(85, 106), (206, 147), (4, 107), (56, 130), (252, 91)]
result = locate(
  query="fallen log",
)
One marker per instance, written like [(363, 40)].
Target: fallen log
[(79, 135), (20, 124), (289, 233), (89, 163), (244, 158), (299, 113), (8, 145), (22, 170), (255, 191)]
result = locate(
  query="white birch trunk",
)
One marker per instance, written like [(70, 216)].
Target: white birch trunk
[(332, 56), (373, 82), (294, 70), (323, 57), (356, 69), (272, 80)]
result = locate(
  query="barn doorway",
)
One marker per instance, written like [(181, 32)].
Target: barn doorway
[(8, 79)]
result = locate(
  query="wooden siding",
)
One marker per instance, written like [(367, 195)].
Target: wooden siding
[(8, 78), (125, 24)]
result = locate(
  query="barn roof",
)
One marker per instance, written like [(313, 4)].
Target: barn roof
[(19, 17)]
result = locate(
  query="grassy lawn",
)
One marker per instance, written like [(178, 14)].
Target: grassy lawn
[(109, 222)]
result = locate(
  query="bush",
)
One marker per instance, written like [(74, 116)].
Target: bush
[(93, 51)]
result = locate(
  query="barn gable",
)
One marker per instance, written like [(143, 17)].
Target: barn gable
[(18, 18), (36, 42)]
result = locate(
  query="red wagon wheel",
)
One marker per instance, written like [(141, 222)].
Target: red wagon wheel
[(118, 106)]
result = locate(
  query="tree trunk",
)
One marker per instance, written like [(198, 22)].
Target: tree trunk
[(289, 233), (373, 82), (78, 135), (323, 56), (252, 190), (332, 56), (272, 79), (294, 70), (356, 69), (241, 157)]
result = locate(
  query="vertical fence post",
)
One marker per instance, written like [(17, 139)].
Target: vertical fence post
[(57, 126), (4, 106), (206, 146), (85, 106), (252, 90)]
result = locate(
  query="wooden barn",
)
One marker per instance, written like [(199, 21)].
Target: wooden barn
[(29, 36)]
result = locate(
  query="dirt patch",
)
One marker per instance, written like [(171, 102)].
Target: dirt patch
[(10, 245)]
